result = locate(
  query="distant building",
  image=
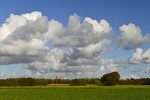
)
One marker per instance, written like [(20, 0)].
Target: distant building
[(57, 77)]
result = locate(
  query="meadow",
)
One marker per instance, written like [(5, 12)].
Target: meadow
[(120, 92)]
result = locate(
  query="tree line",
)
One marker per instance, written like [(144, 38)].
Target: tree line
[(43, 82), (106, 80)]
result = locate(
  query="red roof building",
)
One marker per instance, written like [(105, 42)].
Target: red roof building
[(57, 77)]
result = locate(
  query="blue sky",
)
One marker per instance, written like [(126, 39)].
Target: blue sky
[(115, 12)]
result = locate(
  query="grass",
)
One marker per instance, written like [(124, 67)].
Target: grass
[(76, 93)]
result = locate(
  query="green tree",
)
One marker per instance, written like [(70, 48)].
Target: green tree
[(110, 78), (79, 82), (95, 81), (26, 81), (41, 81)]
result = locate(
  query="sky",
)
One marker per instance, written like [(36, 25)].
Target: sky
[(74, 39)]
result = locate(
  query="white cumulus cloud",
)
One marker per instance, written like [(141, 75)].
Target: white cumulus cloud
[(131, 37), (22, 38), (80, 34), (140, 57)]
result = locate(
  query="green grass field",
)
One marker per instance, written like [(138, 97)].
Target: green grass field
[(76, 93)]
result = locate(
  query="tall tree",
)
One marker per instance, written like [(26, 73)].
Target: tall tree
[(110, 78)]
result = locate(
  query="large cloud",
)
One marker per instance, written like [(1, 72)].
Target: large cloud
[(85, 42), (140, 57), (21, 38), (78, 34), (25, 39), (131, 37), (16, 21)]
